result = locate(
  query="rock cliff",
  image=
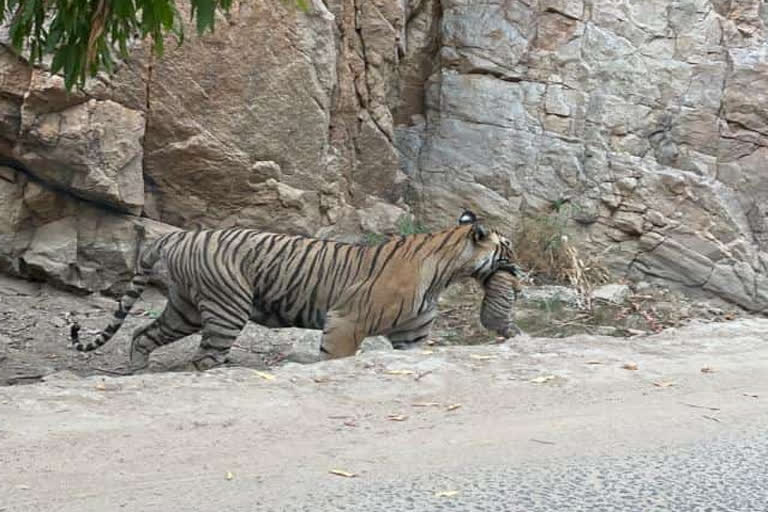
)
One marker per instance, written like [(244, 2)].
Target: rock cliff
[(647, 121)]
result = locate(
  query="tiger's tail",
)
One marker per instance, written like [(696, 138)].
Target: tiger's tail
[(144, 263)]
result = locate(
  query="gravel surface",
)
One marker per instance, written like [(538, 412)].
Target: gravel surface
[(673, 421)]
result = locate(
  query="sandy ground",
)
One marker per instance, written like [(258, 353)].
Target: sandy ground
[(34, 335), (250, 438)]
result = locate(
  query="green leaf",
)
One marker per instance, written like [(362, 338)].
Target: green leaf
[(58, 62), (206, 11), (54, 36)]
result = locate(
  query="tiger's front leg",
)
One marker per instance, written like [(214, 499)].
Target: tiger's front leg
[(342, 337)]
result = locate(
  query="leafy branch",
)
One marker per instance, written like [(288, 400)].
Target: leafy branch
[(87, 36)]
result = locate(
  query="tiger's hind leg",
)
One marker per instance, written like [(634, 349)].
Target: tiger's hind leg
[(413, 331), (219, 334), (179, 319)]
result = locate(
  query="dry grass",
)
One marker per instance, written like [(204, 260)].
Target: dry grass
[(544, 250)]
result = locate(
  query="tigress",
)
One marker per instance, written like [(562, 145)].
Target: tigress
[(219, 279), (496, 311)]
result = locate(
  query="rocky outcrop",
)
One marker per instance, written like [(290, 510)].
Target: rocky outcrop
[(644, 120), (74, 244)]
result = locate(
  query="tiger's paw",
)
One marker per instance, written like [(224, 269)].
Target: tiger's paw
[(304, 357), (512, 331), (137, 366), (138, 359), (208, 362), (420, 345), (517, 338)]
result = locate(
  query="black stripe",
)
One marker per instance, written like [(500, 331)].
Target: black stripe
[(223, 323), (378, 322), (223, 307), (215, 295), (347, 270), (147, 334), (427, 292), (372, 283), (209, 275), (291, 246), (229, 264), (399, 312), (206, 344), (335, 279), (267, 265), (185, 318), (416, 339), (440, 278), (299, 320), (295, 252), (420, 327), (427, 238), (309, 274), (249, 255), (311, 303), (376, 253), (300, 266), (361, 251), (275, 309), (445, 241), (320, 318)]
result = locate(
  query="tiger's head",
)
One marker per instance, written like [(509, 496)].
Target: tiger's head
[(492, 250)]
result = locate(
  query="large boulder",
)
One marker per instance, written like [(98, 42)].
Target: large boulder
[(45, 235), (93, 149)]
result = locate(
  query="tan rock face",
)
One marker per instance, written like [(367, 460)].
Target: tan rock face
[(93, 148), (222, 103), (280, 120)]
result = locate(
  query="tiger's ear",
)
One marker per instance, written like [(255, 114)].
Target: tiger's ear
[(468, 217), (479, 232)]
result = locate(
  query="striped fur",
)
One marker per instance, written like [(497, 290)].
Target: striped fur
[(220, 279), (496, 312)]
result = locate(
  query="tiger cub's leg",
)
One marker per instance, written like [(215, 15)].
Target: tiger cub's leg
[(180, 318), (412, 331), (220, 330)]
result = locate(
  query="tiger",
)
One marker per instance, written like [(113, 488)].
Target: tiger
[(501, 289), (219, 279)]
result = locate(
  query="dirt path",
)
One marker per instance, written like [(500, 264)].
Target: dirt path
[(34, 335), (240, 439)]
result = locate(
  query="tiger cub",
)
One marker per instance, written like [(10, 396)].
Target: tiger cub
[(497, 312)]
